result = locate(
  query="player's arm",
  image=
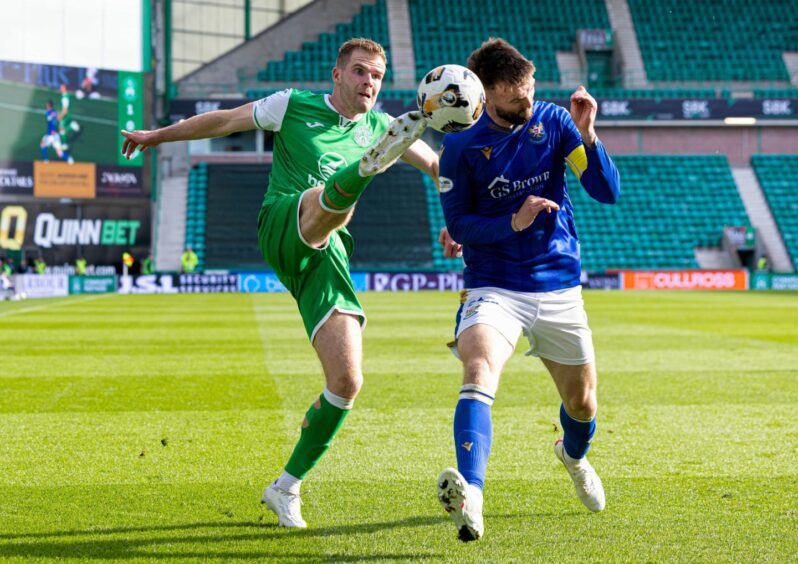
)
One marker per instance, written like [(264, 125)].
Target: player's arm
[(585, 154), (421, 156), (456, 188), (212, 124)]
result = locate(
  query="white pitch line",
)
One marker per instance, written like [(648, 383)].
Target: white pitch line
[(66, 302), (77, 117)]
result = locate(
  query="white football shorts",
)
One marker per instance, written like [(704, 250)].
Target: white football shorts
[(52, 140), (555, 323)]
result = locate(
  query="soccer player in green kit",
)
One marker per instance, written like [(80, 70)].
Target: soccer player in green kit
[(65, 122), (327, 148)]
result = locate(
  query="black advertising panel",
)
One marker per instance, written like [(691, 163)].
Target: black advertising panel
[(61, 232)]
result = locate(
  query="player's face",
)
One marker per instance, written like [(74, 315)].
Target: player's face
[(512, 103), (359, 82)]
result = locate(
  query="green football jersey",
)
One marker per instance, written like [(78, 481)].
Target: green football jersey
[(311, 139), (65, 104)]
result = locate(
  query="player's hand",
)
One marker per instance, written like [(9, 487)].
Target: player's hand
[(141, 140), (530, 209), (583, 111), (451, 248)]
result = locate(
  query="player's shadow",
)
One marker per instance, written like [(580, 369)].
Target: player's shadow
[(112, 542)]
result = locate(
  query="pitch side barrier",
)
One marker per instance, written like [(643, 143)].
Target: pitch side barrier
[(58, 285)]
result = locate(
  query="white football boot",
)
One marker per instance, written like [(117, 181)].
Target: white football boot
[(588, 485), (463, 502), (285, 505), (401, 133)]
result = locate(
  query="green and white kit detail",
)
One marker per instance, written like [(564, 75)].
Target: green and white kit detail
[(312, 142)]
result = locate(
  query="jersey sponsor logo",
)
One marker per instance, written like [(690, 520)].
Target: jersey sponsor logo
[(499, 188), (444, 184), (537, 134), (486, 151), (329, 163), (313, 124), (363, 136), (502, 187)]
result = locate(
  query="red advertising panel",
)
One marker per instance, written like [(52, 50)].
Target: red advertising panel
[(685, 280)]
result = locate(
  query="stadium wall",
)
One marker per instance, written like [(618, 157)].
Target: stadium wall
[(737, 143)]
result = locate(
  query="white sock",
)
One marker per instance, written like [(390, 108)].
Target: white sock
[(288, 483), (338, 401)]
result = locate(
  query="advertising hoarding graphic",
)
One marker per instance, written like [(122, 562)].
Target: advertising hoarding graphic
[(54, 115), (62, 180), (42, 285), (147, 284), (600, 281), (415, 281), (130, 112), (100, 233), (260, 282), (685, 280), (16, 178), (768, 281), (92, 284), (207, 283)]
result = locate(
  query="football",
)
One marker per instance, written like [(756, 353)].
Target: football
[(451, 98)]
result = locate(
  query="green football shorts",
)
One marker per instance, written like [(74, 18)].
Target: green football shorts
[(318, 279)]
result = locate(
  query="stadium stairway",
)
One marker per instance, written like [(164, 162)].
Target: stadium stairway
[(171, 223), (626, 39), (762, 218), (778, 179), (403, 60)]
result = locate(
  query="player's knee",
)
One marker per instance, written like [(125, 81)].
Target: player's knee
[(478, 370), (347, 385), (581, 406)]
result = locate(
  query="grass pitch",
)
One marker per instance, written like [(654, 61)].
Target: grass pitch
[(145, 427)]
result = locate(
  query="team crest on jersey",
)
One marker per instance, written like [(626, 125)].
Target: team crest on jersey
[(363, 136), (444, 184), (470, 311), (486, 151), (329, 164), (536, 133)]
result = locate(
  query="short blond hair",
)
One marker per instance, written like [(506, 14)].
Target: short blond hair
[(368, 45)]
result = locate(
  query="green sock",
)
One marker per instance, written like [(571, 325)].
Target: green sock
[(322, 422), (343, 189)]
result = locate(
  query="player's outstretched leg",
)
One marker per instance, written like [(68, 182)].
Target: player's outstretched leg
[(342, 189), (571, 450)]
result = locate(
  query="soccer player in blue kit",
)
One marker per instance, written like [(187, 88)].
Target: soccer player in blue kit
[(504, 196)]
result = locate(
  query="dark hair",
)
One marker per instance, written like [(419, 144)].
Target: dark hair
[(368, 45), (49, 103), (496, 61)]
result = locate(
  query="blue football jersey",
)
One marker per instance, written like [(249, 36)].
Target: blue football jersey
[(488, 171), (52, 121)]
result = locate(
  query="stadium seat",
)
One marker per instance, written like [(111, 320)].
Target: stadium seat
[(314, 61), (709, 40), (446, 32), (669, 205)]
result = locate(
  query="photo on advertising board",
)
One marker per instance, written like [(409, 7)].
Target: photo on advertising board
[(61, 131)]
